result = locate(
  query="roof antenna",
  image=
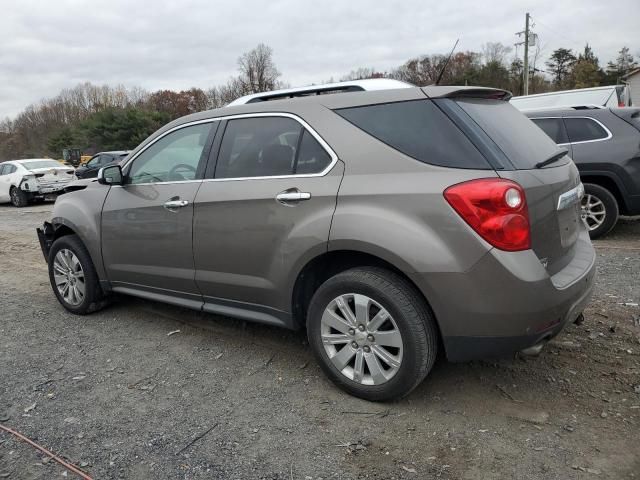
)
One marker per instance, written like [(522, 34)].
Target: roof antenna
[(444, 67)]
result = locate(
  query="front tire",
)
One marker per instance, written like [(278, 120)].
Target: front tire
[(599, 210), (18, 197), (73, 276), (372, 333)]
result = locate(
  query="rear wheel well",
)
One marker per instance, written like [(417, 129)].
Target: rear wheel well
[(325, 266), (610, 185)]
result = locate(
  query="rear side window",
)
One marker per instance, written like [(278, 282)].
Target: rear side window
[(584, 130), (419, 129), (269, 147), (312, 158), (522, 143), (553, 127)]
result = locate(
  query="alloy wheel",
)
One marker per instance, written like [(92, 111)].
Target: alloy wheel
[(69, 277), (593, 211), (361, 339)]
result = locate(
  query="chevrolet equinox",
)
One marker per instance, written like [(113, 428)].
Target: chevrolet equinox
[(390, 224)]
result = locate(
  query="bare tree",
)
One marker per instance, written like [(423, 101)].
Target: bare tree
[(495, 52), (258, 73)]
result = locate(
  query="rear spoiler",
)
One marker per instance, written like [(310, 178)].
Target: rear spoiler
[(434, 91)]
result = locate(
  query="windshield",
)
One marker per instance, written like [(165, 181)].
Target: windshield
[(41, 164)]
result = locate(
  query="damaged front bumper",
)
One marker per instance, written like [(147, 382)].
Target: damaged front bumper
[(46, 237)]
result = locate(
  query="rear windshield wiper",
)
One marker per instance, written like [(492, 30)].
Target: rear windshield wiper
[(553, 158)]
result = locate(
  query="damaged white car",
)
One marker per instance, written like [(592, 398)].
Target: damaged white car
[(22, 181)]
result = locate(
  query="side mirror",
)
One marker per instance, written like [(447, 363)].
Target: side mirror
[(110, 175)]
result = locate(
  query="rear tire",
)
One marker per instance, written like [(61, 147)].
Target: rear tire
[(386, 359), (18, 197), (73, 276), (599, 210)]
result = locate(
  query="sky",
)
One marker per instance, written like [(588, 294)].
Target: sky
[(46, 46)]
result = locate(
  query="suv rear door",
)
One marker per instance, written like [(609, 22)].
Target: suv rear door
[(147, 222), (264, 209)]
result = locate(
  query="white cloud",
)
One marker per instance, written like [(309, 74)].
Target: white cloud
[(48, 46)]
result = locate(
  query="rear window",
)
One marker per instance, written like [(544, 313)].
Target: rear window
[(41, 164), (584, 130), (419, 129), (518, 138)]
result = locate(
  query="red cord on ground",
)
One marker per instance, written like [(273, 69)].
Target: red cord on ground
[(68, 466)]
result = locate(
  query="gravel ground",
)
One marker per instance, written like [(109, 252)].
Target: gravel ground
[(117, 395)]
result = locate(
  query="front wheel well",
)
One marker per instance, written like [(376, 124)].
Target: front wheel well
[(325, 266), (61, 231)]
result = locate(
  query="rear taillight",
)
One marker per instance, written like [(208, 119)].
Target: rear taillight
[(496, 209)]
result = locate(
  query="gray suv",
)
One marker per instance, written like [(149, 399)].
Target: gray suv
[(390, 224), (605, 144)]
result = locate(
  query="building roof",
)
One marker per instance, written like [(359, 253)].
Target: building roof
[(630, 74)]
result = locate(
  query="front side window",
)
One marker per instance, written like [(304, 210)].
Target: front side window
[(94, 161), (584, 130), (2, 170), (553, 127), (173, 158)]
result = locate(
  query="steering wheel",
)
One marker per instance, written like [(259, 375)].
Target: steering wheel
[(173, 173)]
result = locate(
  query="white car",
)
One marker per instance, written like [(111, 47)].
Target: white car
[(22, 181), (609, 96)]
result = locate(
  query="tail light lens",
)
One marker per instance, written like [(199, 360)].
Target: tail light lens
[(496, 209)]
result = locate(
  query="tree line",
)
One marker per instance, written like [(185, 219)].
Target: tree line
[(95, 118)]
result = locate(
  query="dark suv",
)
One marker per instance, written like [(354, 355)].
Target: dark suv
[(389, 223), (605, 144), (99, 160)]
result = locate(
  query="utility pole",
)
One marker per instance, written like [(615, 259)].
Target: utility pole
[(526, 55), (527, 36)]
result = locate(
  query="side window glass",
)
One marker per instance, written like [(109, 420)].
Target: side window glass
[(94, 161), (553, 127), (2, 168), (584, 129), (312, 158), (258, 147), (175, 157), (9, 169)]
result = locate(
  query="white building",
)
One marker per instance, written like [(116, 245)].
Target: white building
[(632, 79)]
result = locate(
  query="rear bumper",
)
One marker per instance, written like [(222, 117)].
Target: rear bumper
[(507, 302)]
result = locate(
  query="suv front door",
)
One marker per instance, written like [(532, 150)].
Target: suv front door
[(261, 213), (147, 222)]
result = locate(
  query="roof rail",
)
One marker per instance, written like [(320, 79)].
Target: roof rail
[(338, 87)]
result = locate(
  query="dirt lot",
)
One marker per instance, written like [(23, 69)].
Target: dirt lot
[(114, 393)]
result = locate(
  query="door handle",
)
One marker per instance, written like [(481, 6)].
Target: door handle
[(173, 204), (292, 196)]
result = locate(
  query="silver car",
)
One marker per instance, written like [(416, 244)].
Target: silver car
[(390, 224)]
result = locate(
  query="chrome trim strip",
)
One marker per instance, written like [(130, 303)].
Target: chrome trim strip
[(570, 197), (325, 145), (609, 134)]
